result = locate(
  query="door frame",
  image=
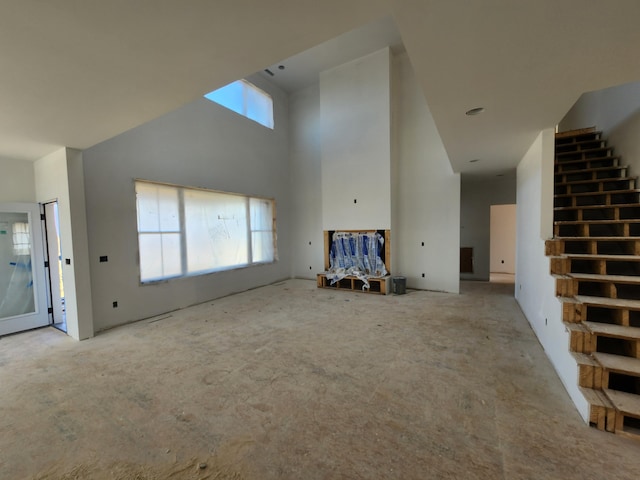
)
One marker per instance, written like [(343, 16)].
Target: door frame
[(40, 317)]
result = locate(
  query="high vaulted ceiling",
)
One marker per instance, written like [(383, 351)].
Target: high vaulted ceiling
[(77, 72)]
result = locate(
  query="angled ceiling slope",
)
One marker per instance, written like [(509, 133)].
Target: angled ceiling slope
[(525, 62), (77, 73)]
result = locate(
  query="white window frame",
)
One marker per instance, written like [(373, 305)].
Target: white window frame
[(182, 231)]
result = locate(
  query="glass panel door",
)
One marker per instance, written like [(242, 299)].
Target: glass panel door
[(23, 303)]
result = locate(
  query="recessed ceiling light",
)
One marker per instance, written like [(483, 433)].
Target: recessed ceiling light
[(475, 111), (280, 67), (474, 160)]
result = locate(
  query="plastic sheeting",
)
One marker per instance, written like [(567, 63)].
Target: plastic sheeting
[(16, 273), (356, 254)]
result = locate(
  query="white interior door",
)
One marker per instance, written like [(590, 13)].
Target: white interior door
[(23, 298)]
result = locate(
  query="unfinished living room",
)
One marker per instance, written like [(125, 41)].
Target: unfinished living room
[(256, 240)]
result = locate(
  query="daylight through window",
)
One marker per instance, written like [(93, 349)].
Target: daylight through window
[(246, 99), (186, 231), (21, 238)]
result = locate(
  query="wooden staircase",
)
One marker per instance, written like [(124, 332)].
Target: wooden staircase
[(595, 258)]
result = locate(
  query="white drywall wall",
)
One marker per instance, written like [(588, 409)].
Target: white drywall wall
[(503, 239), (355, 132), (201, 144), (616, 112), (428, 192), (535, 287), (306, 189), (58, 176), (426, 200), (477, 196), (17, 181)]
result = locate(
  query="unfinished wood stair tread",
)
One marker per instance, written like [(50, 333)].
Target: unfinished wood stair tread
[(594, 180), (594, 277), (590, 207), (625, 402), (587, 150), (594, 222), (584, 359), (606, 192), (599, 256), (608, 302), (593, 159), (578, 132), (591, 169), (618, 363), (596, 397), (597, 239), (613, 331)]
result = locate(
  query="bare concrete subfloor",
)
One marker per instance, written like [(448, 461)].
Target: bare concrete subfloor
[(292, 382)]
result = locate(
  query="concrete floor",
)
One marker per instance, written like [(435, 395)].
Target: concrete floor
[(292, 382)]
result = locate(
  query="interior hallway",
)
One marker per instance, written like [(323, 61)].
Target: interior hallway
[(290, 381)]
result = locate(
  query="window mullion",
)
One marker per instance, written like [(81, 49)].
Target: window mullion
[(183, 232), (249, 231)]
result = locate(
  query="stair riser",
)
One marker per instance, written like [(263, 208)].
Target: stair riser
[(604, 213), (627, 229), (586, 144), (568, 177), (603, 162), (595, 187), (601, 198), (603, 418), (566, 265), (584, 155), (602, 289), (594, 246), (590, 376), (577, 136), (577, 312)]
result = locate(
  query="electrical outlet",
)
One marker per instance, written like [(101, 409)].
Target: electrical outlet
[(423, 244), (115, 304), (423, 275), (104, 258)]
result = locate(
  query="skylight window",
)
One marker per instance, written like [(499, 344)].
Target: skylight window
[(246, 99)]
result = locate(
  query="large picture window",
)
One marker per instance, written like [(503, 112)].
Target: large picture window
[(186, 231)]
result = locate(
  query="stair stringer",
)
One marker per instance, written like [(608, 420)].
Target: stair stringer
[(535, 288)]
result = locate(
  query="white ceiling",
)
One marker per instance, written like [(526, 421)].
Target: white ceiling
[(77, 72), (303, 69)]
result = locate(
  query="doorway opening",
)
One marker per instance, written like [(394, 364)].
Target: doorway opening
[(54, 263), (502, 244)]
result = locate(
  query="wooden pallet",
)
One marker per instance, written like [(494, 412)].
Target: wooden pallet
[(381, 286)]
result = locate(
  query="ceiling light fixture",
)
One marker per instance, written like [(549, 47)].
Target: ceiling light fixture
[(475, 111), (280, 67)]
